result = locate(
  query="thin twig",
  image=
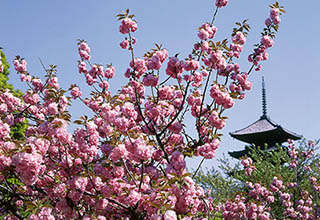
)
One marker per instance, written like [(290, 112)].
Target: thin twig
[(195, 173)]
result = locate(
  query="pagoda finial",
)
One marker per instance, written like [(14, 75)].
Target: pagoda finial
[(264, 101)]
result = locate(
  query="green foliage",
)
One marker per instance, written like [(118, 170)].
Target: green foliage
[(5, 64), (219, 185), (18, 130), (277, 163), (225, 185), (268, 164)]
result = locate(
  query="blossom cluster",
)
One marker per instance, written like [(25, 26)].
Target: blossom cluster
[(272, 24)]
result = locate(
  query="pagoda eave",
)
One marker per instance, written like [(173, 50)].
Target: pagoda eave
[(271, 137), (244, 153), (239, 154)]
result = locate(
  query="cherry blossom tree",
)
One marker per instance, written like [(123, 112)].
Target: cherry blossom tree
[(126, 161)]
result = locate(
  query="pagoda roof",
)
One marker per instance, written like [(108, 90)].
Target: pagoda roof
[(246, 151), (263, 131)]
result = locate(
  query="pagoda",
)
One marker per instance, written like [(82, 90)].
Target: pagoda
[(263, 132)]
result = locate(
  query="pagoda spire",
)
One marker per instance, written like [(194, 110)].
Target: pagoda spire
[(264, 100)]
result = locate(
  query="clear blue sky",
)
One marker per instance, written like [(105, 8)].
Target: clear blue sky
[(49, 30)]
